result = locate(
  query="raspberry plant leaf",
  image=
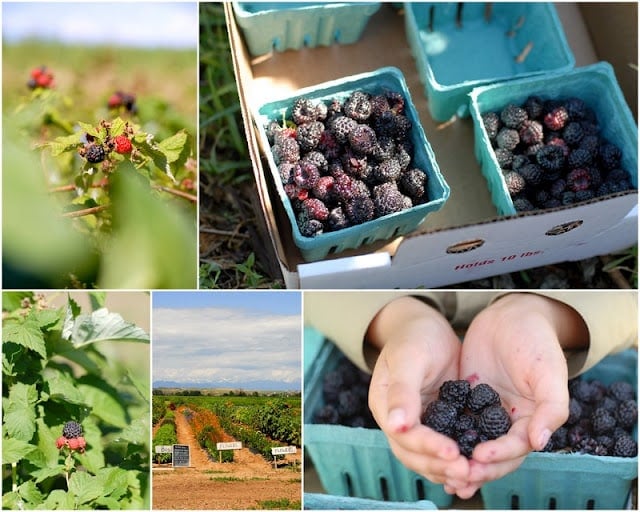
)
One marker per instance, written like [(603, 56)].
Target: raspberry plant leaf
[(27, 334), (101, 325), (62, 388), (14, 450), (19, 415), (85, 487), (103, 404)]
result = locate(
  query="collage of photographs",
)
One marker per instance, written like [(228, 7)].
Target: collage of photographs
[(319, 256)]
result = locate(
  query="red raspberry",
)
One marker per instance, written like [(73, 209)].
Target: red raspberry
[(123, 144), (115, 100), (60, 442), (44, 80), (77, 443)]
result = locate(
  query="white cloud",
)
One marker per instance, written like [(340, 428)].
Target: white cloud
[(235, 346)]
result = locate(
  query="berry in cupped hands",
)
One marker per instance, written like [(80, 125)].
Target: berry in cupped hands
[(467, 415)]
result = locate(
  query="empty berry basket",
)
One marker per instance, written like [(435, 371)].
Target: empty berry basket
[(572, 480), (382, 228), (280, 26), (595, 85), (459, 46), (357, 462)]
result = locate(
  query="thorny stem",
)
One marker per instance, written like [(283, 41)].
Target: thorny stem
[(179, 193)]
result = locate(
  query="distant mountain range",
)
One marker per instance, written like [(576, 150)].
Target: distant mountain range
[(256, 385)]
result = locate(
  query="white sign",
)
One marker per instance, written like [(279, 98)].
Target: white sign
[(282, 450), (164, 448), (237, 445)]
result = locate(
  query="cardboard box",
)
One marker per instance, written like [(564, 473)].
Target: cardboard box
[(466, 239)]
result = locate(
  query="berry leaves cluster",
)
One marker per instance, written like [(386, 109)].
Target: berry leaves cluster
[(601, 420), (552, 153), (343, 163), (74, 428), (467, 415)]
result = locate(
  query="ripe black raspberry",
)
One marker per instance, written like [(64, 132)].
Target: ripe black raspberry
[(575, 411), (507, 138), (522, 204), (602, 421), (579, 179), (314, 209), (494, 421), (481, 396), (363, 139), (515, 182), (455, 392), (504, 158), (551, 158), (327, 414), (413, 183), (357, 106), (341, 126), (625, 446), (286, 150), (531, 132), (304, 111), (513, 116), (532, 174), (388, 199), (440, 416), (609, 156), (621, 390), (491, 122), (337, 219), (94, 153), (305, 175), (556, 119), (72, 429), (467, 441), (309, 227), (534, 107), (579, 157), (309, 134), (465, 422), (627, 413), (389, 170), (573, 133), (359, 209)]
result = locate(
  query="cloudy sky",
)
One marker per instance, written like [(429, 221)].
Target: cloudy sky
[(142, 24), (229, 338)]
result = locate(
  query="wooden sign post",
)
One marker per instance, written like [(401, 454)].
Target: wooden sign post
[(235, 445), (281, 450)]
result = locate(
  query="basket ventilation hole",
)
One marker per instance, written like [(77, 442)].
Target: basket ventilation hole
[(552, 503), (333, 249), (307, 40), (336, 36), (420, 490), (349, 484), (275, 43), (515, 502), (384, 488), (591, 504), (366, 240)]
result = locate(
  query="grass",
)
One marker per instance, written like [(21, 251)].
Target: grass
[(236, 479), (281, 504), (233, 253)]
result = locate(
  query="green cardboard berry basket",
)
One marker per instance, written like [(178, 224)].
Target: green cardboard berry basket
[(596, 85), (382, 228), (280, 26), (572, 480), (356, 462), (315, 501), (456, 51)]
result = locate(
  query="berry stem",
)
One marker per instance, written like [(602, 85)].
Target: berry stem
[(85, 211), (179, 193)]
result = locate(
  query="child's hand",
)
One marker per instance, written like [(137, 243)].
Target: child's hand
[(515, 345), (419, 351)]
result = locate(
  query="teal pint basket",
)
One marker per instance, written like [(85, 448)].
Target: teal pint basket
[(596, 85), (572, 480), (357, 462), (382, 228), (279, 26), (314, 501), (456, 50)]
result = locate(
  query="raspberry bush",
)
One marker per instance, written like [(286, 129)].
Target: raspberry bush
[(110, 182), (75, 429)]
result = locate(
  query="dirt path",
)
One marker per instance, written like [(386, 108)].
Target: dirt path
[(241, 484)]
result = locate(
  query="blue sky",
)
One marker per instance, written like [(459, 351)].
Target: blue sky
[(231, 338), (142, 24)]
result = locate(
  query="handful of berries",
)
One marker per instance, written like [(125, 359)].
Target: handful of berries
[(467, 415), (72, 437)]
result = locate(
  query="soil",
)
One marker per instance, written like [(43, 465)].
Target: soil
[(211, 485)]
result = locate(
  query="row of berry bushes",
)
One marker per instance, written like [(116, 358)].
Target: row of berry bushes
[(208, 438), (275, 419), (255, 440), (166, 435), (159, 408)]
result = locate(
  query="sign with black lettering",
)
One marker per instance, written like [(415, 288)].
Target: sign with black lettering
[(181, 457), (283, 450)]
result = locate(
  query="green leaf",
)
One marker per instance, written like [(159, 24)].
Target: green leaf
[(97, 299), (118, 126), (47, 442), (101, 325), (61, 145), (89, 129), (154, 243), (14, 450), (62, 389), (59, 500), (47, 319), (30, 493), (20, 414), (114, 481), (12, 501), (173, 146), (137, 432), (27, 334), (44, 473), (85, 487), (104, 405), (93, 459)]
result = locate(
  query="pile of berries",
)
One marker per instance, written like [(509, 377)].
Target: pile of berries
[(72, 437), (343, 163), (552, 154), (345, 391), (41, 78), (123, 100), (601, 420), (467, 415)]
